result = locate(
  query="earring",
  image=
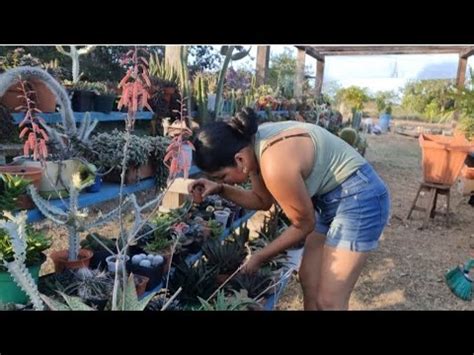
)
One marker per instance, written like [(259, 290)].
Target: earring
[(244, 170)]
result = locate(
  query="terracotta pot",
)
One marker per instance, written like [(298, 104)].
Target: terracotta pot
[(28, 173), (220, 279), (133, 174), (197, 194), (140, 284), (443, 157), (45, 99), (61, 263)]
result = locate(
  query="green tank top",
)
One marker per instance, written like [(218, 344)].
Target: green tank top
[(335, 160)]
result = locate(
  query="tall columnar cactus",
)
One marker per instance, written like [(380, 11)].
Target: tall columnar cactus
[(74, 54), (16, 230), (228, 51), (186, 88), (201, 92)]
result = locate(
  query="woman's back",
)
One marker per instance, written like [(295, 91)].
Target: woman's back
[(335, 159)]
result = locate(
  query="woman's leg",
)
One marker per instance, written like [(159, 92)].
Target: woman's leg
[(310, 269), (340, 269)]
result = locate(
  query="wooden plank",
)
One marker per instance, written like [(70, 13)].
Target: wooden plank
[(263, 58), (299, 75)]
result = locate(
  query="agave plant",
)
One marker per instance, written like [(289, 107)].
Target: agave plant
[(238, 301), (196, 280), (226, 256)]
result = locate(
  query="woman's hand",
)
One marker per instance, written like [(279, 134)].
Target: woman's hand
[(252, 265), (204, 188)]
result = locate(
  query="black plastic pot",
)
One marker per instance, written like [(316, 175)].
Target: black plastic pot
[(98, 260), (104, 103), (82, 101), (154, 274)]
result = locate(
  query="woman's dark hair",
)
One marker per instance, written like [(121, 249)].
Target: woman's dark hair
[(217, 143)]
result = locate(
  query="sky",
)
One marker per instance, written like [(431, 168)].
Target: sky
[(376, 72)]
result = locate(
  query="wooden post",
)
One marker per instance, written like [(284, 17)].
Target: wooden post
[(263, 58), (299, 75), (460, 79), (319, 78)]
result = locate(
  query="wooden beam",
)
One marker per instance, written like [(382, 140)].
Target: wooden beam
[(383, 50), (299, 75), (312, 52), (263, 58), (319, 78), (467, 53)]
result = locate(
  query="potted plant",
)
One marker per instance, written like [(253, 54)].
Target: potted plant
[(13, 183), (108, 155), (75, 221), (44, 98), (102, 247), (168, 77), (35, 244), (105, 98), (148, 265), (41, 141), (197, 280), (83, 95), (94, 287), (254, 283), (226, 256)]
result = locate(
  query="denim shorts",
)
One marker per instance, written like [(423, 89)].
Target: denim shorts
[(354, 214)]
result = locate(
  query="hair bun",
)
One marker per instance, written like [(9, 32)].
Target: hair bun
[(245, 122)]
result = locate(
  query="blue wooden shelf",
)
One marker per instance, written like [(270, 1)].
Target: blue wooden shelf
[(79, 116), (107, 192)]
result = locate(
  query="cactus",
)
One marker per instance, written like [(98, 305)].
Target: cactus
[(16, 229), (229, 55), (75, 219), (350, 135), (74, 54), (201, 90)]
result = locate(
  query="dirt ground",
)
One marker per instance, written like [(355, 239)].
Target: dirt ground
[(407, 271)]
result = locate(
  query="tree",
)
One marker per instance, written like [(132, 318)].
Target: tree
[(203, 58), (430, 98), (384, 100), (353, 96), (281, 72)]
